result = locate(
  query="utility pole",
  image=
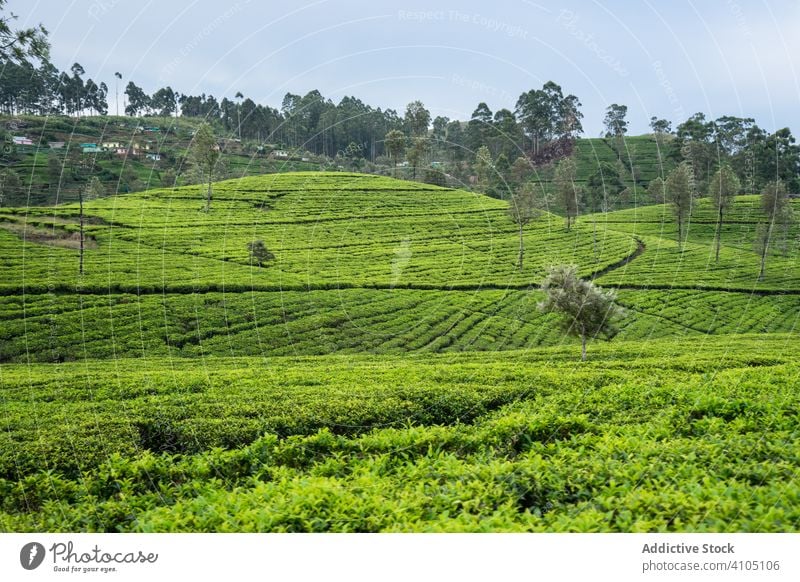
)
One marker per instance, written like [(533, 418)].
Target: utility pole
[(117, 77), (239, 98)]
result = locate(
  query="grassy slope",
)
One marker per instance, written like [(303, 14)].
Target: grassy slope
[(642, 159), (690, 432), (361, 263)]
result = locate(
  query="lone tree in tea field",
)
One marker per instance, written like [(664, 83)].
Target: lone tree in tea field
[(722, 189), (567, 190), (524, 207), (259, 254), (586, 310), (778, 215), (204, 155), (679, 193)]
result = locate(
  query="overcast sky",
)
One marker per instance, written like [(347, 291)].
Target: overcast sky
[(668, 59)]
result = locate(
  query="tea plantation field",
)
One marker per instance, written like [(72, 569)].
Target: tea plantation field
[(389, 369), (644, 437)]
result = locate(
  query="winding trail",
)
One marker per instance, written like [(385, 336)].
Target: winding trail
[(640, 248)]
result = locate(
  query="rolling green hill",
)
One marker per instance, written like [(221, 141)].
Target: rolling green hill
[(391, 356)]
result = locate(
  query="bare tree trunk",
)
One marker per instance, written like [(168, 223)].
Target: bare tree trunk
[(764, 249), (583, 347), (208, 194), (80, 220), (521, 248), (718, 233)]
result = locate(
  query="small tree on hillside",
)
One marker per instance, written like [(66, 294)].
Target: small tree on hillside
[(656, 191), (587, 311), (616, 125), (777, 214), (204, 155), (567, 190), (94, 189), (395, 142), (259, 253), (679, 193), (525, 205), (722, 189)]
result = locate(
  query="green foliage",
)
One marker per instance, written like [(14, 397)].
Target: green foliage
[(680, 194), (722, 189), (417, 119), (615, 122), (420, 148), (204, 154), (259, 254), (435, 176), (483, 165), (586, 311), (567, 190), (395, 146), (415, 412), (603, 188), (643, 438), (777, 220), (19, 45), (657, 191), (94, 189)]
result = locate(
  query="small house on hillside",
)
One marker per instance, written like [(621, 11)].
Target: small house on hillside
[(56, 145), (22, 140)]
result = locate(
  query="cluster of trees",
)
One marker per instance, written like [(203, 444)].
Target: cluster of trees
[(44, 90), (756, 156)]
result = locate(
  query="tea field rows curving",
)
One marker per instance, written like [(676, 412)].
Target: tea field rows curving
[(389, 370)]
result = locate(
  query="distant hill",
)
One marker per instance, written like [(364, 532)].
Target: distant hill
[(128, 154)]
